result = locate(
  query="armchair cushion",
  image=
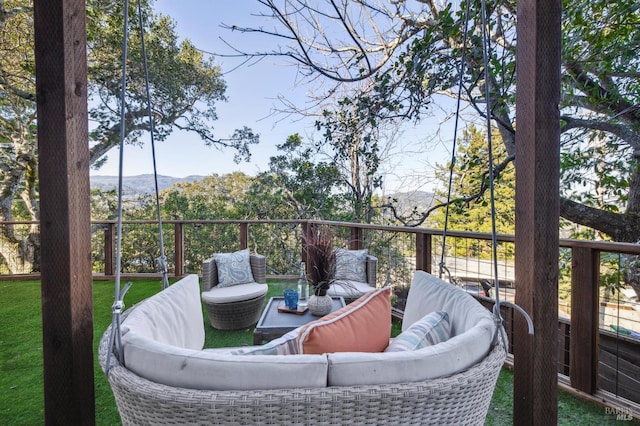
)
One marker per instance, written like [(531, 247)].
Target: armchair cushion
[(235, 293), (350, 265), (349, 289), (233, 268)]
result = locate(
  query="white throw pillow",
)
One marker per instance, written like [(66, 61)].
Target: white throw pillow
[(233, 268), (351, 265)]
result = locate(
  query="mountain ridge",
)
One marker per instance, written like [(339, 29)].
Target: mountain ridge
[(138, 184), (144, 184)]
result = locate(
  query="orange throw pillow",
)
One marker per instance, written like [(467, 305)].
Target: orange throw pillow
[(362, 326)]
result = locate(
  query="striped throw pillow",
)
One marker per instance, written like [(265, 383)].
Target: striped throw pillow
[(285, 345), (431, 329)]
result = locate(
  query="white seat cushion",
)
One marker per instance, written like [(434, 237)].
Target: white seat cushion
[(219, 370), (429, 293), (236, 293)]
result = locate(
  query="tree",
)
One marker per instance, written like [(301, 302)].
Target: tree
[(297, 186), (470, 209), (355, 138), (184, 88), (414, 51)]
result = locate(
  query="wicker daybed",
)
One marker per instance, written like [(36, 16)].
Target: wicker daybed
[(462, 397)]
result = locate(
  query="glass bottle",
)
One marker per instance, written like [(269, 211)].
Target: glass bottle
[(303, 286)]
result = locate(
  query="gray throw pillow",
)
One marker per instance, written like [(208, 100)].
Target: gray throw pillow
[(351, 265), (233, 268)]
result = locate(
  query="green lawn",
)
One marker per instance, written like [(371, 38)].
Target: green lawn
[(21, 386)]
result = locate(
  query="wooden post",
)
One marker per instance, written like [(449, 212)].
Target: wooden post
[(109, 243), (306, 230), (67, 307), (585, 273), (178, 256), (355, 243), (244, 235), (423, 252), (538, 63)]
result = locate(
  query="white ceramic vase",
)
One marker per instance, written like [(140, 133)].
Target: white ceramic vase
[(320, 305)]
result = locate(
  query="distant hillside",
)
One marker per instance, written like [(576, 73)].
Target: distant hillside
[(408, 200), (141, 184)]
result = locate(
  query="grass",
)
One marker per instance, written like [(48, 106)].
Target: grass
[(21, 382)]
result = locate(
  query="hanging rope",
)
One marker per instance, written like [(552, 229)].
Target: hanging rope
[(162, 260), (118, 305), (441, 266), (494, 242)]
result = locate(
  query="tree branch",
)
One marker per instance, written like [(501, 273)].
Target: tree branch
[(618, 226), (484, 186), (623, 132)]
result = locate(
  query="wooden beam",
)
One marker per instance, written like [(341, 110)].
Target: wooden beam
[(67, 307), (538, 63)]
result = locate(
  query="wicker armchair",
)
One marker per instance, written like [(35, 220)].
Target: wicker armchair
[(236, 307), (352, 290)]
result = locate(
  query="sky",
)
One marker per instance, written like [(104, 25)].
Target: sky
[(252, 93)]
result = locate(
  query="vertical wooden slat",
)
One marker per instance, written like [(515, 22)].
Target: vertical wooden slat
[(585, 273), (178, 238), (423, 252), (67, 307), (564, 347), (537, 209)]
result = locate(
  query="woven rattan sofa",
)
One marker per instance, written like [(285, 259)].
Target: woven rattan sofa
[(170, 379)]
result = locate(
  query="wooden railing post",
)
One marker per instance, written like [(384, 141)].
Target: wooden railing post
[(355, 243), (423, 252), (109, 240), (178, 231), (585, 273), (305, 228), (244, 235)]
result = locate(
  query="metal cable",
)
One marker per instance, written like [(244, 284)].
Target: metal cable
[(118, 304), (494, 239), (441, 265), (162, 260)]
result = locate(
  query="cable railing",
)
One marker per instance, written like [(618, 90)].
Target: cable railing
[(598, 312)]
